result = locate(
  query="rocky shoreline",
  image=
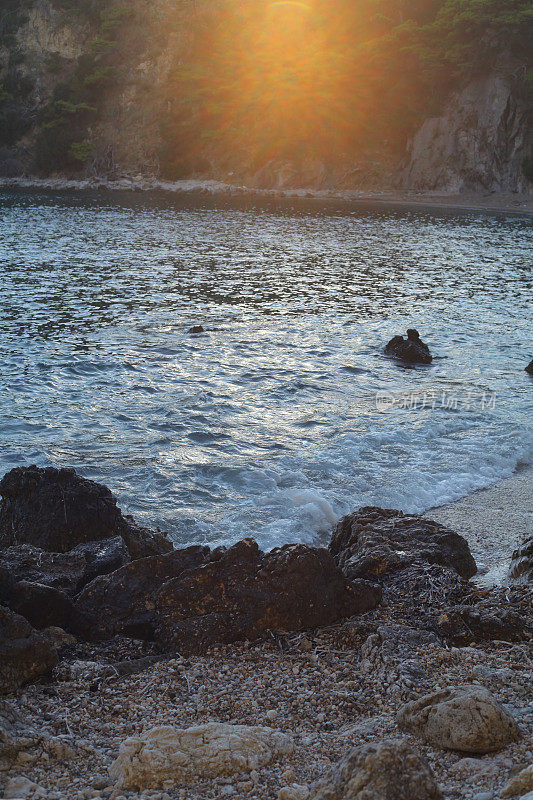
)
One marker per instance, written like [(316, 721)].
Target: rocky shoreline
[(508, 202), (374, 669)]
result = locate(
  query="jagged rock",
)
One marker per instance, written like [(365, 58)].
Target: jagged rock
[(529, 368), (63, 571), (392, 654), (20, 788), (101, 558), (387, 770), (41, 605), (461, 625), (519, 784), (24, 653), (522, 563), (124, 601), (246, 593), (466, 718), (413, 349), (373, 542), (13, 737), (196, 329), (478, 144), (186, 755), (56, 510)]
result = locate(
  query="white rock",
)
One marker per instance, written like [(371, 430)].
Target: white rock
[(294, 792), (466, 718), (520, 783), (187, 754), (22, 788)]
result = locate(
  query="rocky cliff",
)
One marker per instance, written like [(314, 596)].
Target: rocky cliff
[(480, 142)]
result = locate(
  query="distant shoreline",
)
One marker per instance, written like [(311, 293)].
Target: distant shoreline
[(479, 202)]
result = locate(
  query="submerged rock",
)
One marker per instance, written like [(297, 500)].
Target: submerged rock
[(412, 349), (196, 329), (24, 653), (56, 510), (465, 718), (186, 755), (387, 770), (373, 542), (529, 368)]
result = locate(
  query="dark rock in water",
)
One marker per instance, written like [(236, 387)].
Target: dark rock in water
[(196, 329), (461, 625), (55, 509), (522, 563), (529, 368), (247, 593), (412, 349), (124, 601), (42, 606), (24, 653), (193, 598), (373, 542)]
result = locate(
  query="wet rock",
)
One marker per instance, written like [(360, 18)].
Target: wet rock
[(412, 350), (41, 605), (387, 770), (62, 571), (192, 598), (101, 558), (461, 625), (247, 593), (529, 368), (467, 719), (519, 784), (185, 755), (124, 601), (56, 510), (24, 653), (522, 563), (373, 542), (196, 329), (391, 654)]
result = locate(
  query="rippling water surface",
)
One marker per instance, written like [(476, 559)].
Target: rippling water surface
[(266, 424)]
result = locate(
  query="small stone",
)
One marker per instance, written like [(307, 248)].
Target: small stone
[(294, 792)]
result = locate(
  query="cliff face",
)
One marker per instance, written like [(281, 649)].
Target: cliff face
[(479, 143)]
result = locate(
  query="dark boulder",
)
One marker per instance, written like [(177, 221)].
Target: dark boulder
[(41, 605), (101, 558), (24, 653), (529, 368), (193, 598), (247, 593), (124, 601), (462, 624), (56, 510), (373, 542), (413, 349), (196, 329), (63, 571)]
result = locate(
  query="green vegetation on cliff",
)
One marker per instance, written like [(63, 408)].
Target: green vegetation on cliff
[(251, 82)]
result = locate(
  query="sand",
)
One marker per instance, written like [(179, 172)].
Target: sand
[(494, 521)]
